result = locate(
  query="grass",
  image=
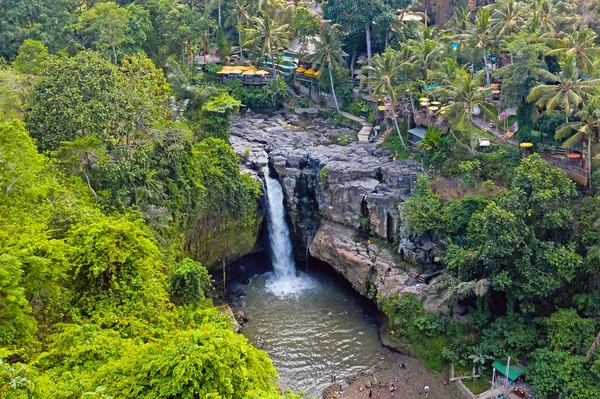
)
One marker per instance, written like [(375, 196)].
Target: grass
[(481, 384), (392, 143)]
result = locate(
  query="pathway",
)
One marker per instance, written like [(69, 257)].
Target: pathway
[(363, 134), (365, 131), (497, 132)]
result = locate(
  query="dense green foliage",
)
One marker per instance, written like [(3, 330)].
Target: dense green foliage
[(119, 191), (515, 253), (98, 297)]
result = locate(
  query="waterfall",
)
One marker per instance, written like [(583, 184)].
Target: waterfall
[(285, 281)]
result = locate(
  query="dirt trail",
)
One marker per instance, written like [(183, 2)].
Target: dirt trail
[(388, 368)]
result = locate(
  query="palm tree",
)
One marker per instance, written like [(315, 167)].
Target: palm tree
[(448, 71), (583, 131), (465, 93), (239, 16), (454, 291), (328, 53), (566, 90), (582, 45), (267, 34), (186, 82), (384, 73), (461, 25), (507, 17), (480, 36), (426, 53)]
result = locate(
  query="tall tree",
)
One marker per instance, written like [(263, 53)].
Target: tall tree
[(328, 54), (108, 22), (426, 54), (564, 89), (239, 17), (465, 93), (583, 131), (267, 34), (580, 44), (481, 37), (384, 74)]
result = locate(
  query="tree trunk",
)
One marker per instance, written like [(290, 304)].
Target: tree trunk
[(425, 13), (240, 35), (220, 13), (487, 71), (114, 49), (273, 63), (589, 161), (398, 129), (337, 107), (368, 33)]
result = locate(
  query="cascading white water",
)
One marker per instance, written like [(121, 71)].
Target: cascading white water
[(284, 281)]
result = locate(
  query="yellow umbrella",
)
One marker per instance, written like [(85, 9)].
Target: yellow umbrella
[(300, 70), (526, 145), (317, 74), (309, 72), (381, 107), (435, 103), (423, 99), (433, 108)]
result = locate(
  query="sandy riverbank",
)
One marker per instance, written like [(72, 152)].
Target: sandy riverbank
[(389, 366)]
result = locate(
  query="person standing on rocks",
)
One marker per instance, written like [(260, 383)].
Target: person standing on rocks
[(378, 395), (426, 390), (370, 394)]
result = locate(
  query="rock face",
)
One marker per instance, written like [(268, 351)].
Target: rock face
[(335, 191)]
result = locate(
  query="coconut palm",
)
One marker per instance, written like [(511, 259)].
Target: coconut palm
[(461, 25), (480, 36), (565, 90), (448, 71), (426, 53), (328, 54), (238, 18), (267, 34), (465, 93), (580, 44), (583, 131), (384, 73), (507, 17), (454, 291)]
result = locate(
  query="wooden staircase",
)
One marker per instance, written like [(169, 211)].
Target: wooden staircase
[(384, 136)]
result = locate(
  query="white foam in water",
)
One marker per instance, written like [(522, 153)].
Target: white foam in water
[(284, 280)]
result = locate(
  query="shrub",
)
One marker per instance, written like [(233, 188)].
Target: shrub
[(189, 282)]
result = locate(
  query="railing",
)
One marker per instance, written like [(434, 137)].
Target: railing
[(576, 173), (565, 166)]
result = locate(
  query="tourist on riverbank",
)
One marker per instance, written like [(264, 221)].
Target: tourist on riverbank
[(426, 390), (370, 394), (341, 390)]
